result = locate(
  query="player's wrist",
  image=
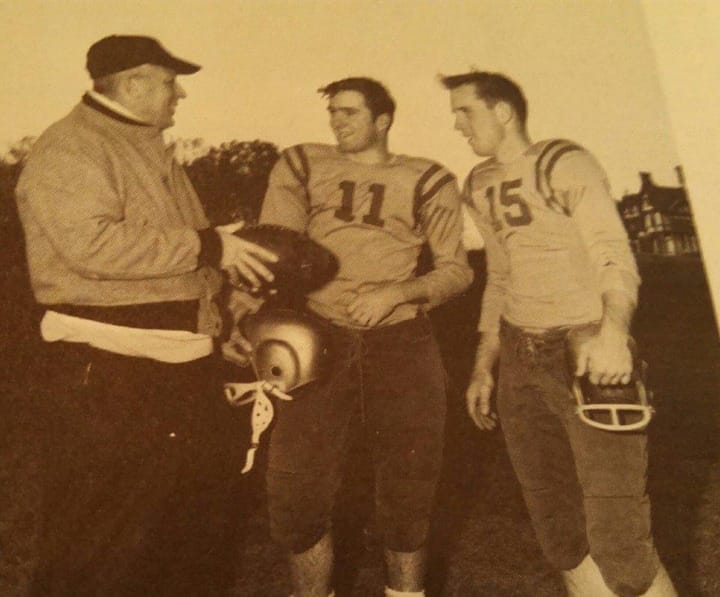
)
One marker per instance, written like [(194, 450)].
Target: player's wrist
[(488, 348), (484, 366), (482, 381), (402, 293), (405, 292), (613, 331)]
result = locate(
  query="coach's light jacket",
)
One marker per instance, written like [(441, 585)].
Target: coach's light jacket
[(110, 217)]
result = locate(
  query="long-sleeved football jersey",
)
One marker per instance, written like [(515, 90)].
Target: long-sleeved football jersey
[(554, 239), (375, 219)]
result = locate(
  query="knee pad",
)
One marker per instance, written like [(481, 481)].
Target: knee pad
[(405, 536), (297, 538), (300, 514), (628, 578)]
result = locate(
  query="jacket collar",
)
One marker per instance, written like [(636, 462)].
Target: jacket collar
[(106, 109)]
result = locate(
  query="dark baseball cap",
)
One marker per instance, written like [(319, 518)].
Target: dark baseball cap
[(116, 53)]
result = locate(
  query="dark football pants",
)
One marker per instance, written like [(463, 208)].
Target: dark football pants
[(392, 380), (585, 488), (142, 468)]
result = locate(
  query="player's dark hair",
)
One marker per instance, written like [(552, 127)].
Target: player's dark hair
[(492, 88), (377, 97)]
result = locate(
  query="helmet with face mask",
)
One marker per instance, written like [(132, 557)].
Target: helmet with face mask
[(619, 407)]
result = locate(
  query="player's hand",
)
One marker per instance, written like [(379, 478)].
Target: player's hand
[(244, 261), (605, 357), (477, 397), (239, 303), (371, 307), (237, 349)]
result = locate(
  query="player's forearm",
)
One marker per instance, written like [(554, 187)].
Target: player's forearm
[(442, 224), (240, 303), (437, 286), (487, 352), (412, 291), (618, 310), (488, 349)]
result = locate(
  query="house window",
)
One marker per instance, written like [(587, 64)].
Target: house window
[(670, 245), (658, 220)]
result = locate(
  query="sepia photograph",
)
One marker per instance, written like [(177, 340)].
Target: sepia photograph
[(359, 298)]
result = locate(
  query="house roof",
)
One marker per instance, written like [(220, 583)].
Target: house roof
[(664, 199)]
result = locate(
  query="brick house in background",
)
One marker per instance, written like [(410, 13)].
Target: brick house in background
[(658, 219)]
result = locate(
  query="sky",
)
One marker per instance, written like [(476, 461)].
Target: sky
[(588, 67)]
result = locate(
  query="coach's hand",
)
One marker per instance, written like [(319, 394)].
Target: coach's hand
[(371, 307), (244, 260), (478, 396)]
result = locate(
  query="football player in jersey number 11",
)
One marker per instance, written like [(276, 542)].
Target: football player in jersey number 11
[(559, 264), (374, 210)]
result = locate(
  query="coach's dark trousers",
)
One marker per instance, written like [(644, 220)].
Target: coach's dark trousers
[(141, 475)]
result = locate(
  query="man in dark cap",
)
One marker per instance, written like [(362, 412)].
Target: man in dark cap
[(141, 446)]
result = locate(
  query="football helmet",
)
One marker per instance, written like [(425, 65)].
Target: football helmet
[(289, 347), (614, 407), (289, 350)]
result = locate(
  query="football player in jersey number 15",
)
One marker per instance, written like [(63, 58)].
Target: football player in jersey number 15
[(374, 210), (559, 266)]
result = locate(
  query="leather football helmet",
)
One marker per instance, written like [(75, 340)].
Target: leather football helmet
[(289, 347), (616, 407)]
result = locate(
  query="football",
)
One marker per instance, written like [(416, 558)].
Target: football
[(303, 265)]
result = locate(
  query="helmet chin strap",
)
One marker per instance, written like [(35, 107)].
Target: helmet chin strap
[(262, 411)]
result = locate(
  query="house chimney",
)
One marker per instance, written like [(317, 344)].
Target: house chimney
[(680, 175), (645, 179)]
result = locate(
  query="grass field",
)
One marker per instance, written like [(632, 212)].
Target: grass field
[(482, 543)]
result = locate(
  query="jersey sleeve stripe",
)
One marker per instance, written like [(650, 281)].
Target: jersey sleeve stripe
[(556, 156), (435, 188), (292, 166), (418, 199), (555, 150), (300, 170), (304, 161), (427, 175), (440, 222), (538, 163), (548, 173)]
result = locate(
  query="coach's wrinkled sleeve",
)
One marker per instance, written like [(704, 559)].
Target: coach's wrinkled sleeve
[(71, 198)]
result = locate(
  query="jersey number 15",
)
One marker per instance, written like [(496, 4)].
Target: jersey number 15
[(517, 212)]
